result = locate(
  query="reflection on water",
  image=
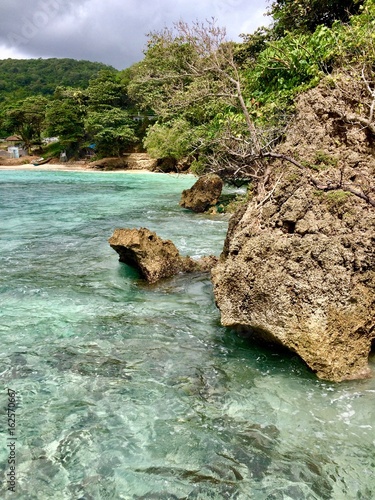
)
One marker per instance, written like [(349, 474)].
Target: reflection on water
[(131, 391)]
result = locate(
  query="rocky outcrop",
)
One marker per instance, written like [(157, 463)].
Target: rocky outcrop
[(203, 194), (108, 164), (298, 268), (140, 161), (131, 161), (154, 257)]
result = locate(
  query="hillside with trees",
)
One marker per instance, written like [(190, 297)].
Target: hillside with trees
[(97, 112), (21, 78)]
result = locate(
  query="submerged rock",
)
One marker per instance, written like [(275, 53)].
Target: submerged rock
[(154, 257), (298, 269), (203, 194)]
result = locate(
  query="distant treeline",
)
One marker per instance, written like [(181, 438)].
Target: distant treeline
[(20, 78)]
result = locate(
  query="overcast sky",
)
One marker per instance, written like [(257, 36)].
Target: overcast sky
[(110, 31)]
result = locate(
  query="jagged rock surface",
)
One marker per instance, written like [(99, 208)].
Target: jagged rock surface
[(299, 269), (154, 257), (203, 194)]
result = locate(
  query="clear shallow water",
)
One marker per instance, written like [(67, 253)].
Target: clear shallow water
[(132, 391)]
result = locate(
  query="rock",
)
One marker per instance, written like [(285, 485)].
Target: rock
[(140, 161), (131, 161), (299, 269), (153, 257), (203, 194), (166, 165), (108, 164)]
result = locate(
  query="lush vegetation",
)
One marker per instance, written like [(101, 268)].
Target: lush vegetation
[(95, 112), (226, 105), (220, 104), (28, 77)]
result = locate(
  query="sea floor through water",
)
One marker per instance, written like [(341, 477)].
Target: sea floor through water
[(129, 391)]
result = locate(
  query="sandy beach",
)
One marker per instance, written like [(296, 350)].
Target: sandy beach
[(72, 167)]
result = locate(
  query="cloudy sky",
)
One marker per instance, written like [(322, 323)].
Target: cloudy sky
[(110, 31)]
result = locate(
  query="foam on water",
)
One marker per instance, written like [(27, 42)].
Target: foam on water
[(128, 390)]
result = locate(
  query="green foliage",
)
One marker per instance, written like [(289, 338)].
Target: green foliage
[(307, 15), (253, 44), (112, 130), (65, 117), (239, 200), (188, 72), (299, 60), (26, 118), (170, 140), (23, 78), (107, 91), (216, 101), (198, 166), (335, 201), (323, 158), (337, 198), (322, 161), (356, 40), (291, 64), (98, 114), (53, 150)]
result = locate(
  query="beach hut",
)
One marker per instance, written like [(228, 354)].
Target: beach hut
[(16, 150), (14, 138)]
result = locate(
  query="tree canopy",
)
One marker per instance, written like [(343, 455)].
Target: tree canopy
[(20, 78), (307, 15)]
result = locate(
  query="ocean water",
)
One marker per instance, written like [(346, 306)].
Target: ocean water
[(129, 391)]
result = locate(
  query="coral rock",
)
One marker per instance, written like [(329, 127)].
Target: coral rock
[(203, 194), (154, 257)]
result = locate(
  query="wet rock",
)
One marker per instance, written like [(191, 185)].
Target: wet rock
[(300, 270), (203, 194), (154, 257)]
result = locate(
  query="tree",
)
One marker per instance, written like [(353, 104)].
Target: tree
[(174, 139), (307, 15), (191, 72), (26, 78), (184, 66), (106, 91), (65, 117), (26, 118), (112, 130)]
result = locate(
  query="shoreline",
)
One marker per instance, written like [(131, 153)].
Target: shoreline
[(55, 167)]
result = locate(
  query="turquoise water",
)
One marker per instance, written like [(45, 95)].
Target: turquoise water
[(130, 391)]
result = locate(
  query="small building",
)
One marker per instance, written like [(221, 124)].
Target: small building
[(16, 139), (16, 150)]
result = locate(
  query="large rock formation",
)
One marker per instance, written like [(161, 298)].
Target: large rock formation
[(298, 269), (203, 194), (153, 257)]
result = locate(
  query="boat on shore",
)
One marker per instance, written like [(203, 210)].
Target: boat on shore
[(41, 161)]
